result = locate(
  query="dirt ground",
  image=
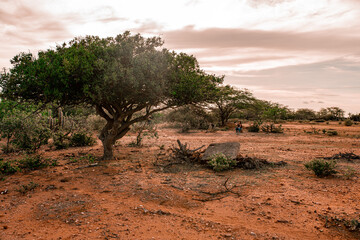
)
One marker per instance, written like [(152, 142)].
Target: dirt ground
[(138, 196)]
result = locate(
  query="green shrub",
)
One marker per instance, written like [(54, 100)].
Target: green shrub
[(8, 148), (81, 139), (32, 134), (6, 168), (220, 162), (254, 127), (321, 167), (61, 141), (33, 162), (191, 117), (332, 133), (348, 122), (272, 128)]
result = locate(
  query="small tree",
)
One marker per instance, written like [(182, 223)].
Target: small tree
[(118, 76), (228, 100)]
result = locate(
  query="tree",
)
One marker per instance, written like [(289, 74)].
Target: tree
[(331, 113), (229, 99), (274, 112), (119, 76), (304, 114)]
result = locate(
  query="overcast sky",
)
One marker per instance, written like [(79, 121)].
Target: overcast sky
[(300, 53)]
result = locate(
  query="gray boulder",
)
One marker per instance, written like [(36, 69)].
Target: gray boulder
[(229, 149)]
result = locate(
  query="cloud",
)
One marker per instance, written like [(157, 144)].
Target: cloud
[(216, 38)]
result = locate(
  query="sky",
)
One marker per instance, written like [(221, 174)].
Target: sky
[(299, 53)]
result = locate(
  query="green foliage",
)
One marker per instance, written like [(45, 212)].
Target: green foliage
[(143, 129), (348, 122), (331, 113), (191, 117), (33, 162), (88, 158), (61, 140), (332, 133), (31, 132), (274, 112), (7, 168), (272, 128), (81, 139), (304, 114), (228, 100), (355, 117), (254, 127), (220, 162), (27, 188), (118, 76), (321, 167)]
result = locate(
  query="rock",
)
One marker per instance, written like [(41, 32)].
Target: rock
[(229, 149)]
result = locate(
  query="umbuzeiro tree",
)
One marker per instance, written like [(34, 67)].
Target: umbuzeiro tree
[(119, 76)]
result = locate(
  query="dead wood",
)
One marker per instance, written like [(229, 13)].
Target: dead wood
[(184, 153), (220, 194)]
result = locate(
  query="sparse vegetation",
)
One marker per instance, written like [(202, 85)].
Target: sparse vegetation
[(348, 122), (220, 162), (321, 167), (254, 127), (33, 162), (7, 168), (332, 133), (23, 189), (81, 140)]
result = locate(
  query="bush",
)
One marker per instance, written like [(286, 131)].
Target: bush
[(33, 162), (6, 168), (348, 122), (220, 162), (32, 133), (8, 148), (190, 117), (332, 133), (81, 139), (254, 127), (321, 167), (272, 128)]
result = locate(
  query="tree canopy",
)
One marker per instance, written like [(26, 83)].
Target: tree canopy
[(228, 100), (119, 76)]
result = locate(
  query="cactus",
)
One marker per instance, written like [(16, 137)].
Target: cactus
[(61, 117)]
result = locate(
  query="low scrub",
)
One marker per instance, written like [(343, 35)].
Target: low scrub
[(220, 162), (27, 188), (81, 140), (332, 133), (33, 162), (7, 168), (254, 127), (348, 122), (272, 128), (321, 167)]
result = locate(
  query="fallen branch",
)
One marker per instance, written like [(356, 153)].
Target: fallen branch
[(214, 195)]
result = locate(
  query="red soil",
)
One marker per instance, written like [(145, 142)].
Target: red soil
[(133, 197)]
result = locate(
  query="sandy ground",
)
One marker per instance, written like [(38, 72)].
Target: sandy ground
[(136, 197)]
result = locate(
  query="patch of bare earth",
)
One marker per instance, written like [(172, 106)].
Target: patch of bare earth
[(136, 197)]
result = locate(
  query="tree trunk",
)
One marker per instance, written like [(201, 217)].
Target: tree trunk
[(108, 136), (108, 148)]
